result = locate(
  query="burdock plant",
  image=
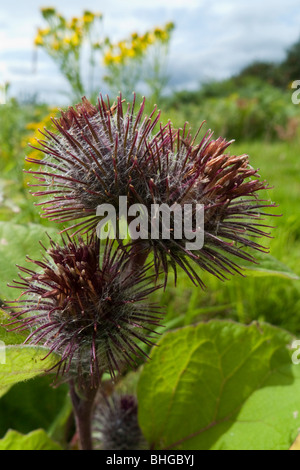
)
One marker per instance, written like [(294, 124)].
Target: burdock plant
[(89, 310), (88, 301), (101, 153)]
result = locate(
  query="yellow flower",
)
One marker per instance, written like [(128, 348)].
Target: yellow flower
[(67, 40), (158, 32), (73, 23), (151, 38), (44, 32), (170, 26), (122, 45), (34, 126), (56, 45), (131, 52), (38, 40), (88, 17), (75, 40), (117, 59), (108, 58)]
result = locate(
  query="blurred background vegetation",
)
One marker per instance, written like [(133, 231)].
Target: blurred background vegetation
[(254, 107)]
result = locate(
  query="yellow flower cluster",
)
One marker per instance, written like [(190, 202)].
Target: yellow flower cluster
[(62, 34), (35, 134), (135, 46)]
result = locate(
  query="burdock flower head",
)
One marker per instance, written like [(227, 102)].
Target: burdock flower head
[(91, 314), (115, 424), (214, 200), (100, 154), (93, 158)]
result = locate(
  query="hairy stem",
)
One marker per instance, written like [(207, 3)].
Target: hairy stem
[(83, 402), (138, 259), (83, 406)]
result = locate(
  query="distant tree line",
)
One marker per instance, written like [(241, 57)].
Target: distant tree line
[(249, 82), (278, 74)]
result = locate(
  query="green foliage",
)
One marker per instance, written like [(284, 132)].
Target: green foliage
[(16, 123), (16, 242), (42, 406), (36, 440), (221, 385), (249, 109), (266, 71), (21, 362), (14, 120), (24, 363), (290, 67), (267, 265)]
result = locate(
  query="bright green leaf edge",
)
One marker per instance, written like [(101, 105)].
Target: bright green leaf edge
[(268, 266), (24, 362), (36, 440)]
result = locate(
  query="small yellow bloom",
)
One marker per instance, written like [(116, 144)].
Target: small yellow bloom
[(151, 38), (108, 59), (67, 40), (75, 40), (131, 52), (73, 24), (88, 17), (122, 45), (45, 32), (56, 45), (38, 40), (117, 59), (170, 26)]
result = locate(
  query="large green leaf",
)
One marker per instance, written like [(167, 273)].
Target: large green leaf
[(221, 385), (36, 440), (16, 242), (267, 266), (17, 361), (40, 404), (24, 362)]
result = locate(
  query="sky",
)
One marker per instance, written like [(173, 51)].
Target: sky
[(212, 39)]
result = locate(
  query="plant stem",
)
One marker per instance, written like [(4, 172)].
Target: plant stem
[(83, 400), (83, 408), (138, 259)]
